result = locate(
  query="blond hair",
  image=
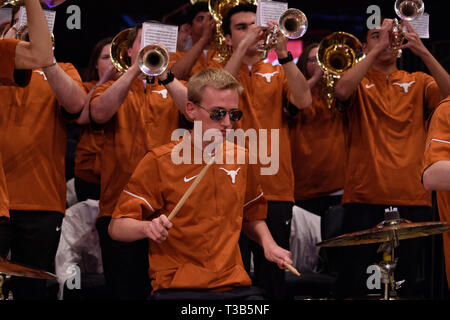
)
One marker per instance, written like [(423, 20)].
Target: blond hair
[(214, 77)]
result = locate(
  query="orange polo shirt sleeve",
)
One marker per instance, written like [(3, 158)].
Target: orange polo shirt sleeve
[(255, 207), (9, 76), (432, 92), (100, 89), (438, 149), (141, 198)]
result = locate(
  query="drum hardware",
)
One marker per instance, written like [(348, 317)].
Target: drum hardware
[(389, 232)]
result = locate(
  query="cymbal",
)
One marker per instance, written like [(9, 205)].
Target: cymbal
[(13, 269), (384, 232)]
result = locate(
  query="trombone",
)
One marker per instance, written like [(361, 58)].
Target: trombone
[(407, 10), (337, 53), (152, 59)]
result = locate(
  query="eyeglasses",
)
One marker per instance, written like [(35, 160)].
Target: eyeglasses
[(219, 113)]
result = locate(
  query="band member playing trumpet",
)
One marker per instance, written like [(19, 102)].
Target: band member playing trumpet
[(136, 115), (267, 89), (18, 55), (437, 168), (197, 58), (33, 142), (196, 254), (386, 138)]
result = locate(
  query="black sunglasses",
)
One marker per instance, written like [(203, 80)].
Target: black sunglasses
[(219, 113)]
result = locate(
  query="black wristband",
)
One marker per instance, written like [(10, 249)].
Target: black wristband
[(169, 79), (289, 58)]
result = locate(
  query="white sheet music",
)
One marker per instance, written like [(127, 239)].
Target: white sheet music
[(422, 26), (162, 33), (269, 10), (5, 14), (49, 16)]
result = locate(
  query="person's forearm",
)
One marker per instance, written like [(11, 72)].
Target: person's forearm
[(436, 177), (312, 82), (300, 91), (259, 232), (68, 93), (184, 64), (107, 104), (38, 52), (178, 93), (235, 62), (126, 229), (438, 72), (349, 81), (84, 117)]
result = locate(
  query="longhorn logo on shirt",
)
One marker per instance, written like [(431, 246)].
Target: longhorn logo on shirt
[(163, 93), (267, 76), (232, 174), (405, 85), (41, 73)]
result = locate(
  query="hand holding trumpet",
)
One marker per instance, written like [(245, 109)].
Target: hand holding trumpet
[(414, 43), (279, 40)]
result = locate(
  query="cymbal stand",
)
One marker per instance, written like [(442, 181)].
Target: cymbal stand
[(389, 263), (387, 267)]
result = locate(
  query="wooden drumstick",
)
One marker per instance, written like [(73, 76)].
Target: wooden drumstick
[(189, 191), (291, 268)]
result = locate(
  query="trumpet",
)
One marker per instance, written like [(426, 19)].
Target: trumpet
[(292, 24), (152, 59), (407, 10), (337, 53), (4, 3), (22, 34)]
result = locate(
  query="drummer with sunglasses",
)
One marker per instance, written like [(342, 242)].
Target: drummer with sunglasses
[(196, 255), (268, 90)]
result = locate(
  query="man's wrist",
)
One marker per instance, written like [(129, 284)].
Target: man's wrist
[(424, 54), (168, 79), (283, 59), (53, 63), (282, 53)]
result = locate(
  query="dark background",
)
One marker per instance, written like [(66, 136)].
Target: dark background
[(101, 18)]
